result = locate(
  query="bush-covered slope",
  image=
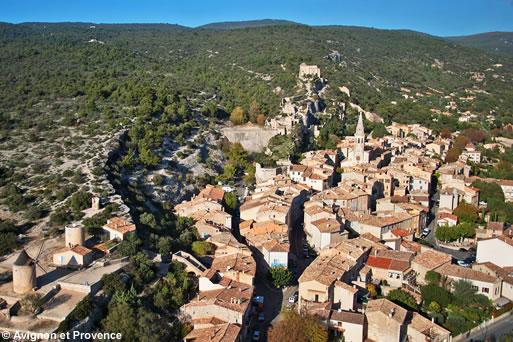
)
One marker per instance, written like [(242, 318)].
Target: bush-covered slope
[(120, 63)]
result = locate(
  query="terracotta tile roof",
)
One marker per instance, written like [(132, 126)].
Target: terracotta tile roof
[(443, 215), (276, 246), (234, 262), (218, 217), (120, 225), (430, 329), (432, 259), (393, 254), (387, 263), (235, 296), (370, 237), (387, 307), (401, 232), (315, 209), (495, 226), (327, 225), (212, 193), (345, 286), (227, 332), (245, 224), (411, 246), (326, 269), (348, 317), (81, 250), (455, 271), (208, 320)]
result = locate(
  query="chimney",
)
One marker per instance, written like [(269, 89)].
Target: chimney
[(391, 313)]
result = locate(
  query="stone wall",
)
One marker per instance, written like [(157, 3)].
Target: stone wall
[(263, 174), (252, 138)]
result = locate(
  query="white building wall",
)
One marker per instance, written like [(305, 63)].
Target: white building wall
[(495, 251)]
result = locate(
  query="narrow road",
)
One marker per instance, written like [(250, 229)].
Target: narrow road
[(493, 331)]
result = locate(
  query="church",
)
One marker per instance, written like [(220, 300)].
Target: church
[(353, 148)]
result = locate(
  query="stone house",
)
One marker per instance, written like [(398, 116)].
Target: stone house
[(486, 284), (428, 260), (497, 250), (386, 321), (74, 256), (119, 228), (352, 325), (321, 233), (390, 266)]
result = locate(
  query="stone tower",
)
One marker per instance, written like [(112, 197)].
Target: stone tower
[(74, 236), (23, 273), (359, 141), (95, 203)]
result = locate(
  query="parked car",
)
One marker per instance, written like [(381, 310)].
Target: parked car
[(426, 231), (463, 263), (256, 335), (261, 317)]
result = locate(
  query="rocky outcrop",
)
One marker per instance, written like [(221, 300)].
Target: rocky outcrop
[(253, 138)]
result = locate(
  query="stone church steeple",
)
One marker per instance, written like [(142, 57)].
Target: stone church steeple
[(359, 141)]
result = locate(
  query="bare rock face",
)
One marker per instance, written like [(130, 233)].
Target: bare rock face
[(253, 138)]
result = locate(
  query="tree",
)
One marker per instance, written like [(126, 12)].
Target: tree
[(130, 246), (432, 277), (298, 327), (111, 283), (433, 293), (260, 120), (80, 200), (379, 131), (142, 269), (165, 245), (148, 219), (373, 290), (122, 319), (202, 248), (254, 111), (467, 212), (230, 200), (445, 133), (403, 298), (238, 117), (280, 276), (31, 303)]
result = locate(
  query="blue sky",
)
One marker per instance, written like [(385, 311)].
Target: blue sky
[(438, 17)]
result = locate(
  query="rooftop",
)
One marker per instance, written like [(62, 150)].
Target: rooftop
[(460, 272), (120, 225), (388, 308), (219, 333), (432, 259)]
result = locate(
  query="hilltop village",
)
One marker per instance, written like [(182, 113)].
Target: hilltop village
[(378, 239), (355, 227)]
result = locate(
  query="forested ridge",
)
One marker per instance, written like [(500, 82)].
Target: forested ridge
[(118, 63)]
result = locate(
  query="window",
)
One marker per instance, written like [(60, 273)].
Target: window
[(475, 287), (485, 290), (316, 298)]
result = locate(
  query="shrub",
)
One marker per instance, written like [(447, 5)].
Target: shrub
[(202, 248), (280, 276)]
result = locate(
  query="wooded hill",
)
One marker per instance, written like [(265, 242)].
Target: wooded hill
[(120, 64)]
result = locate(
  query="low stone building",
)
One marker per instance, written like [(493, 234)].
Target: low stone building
[(74, 256), (119, 228)]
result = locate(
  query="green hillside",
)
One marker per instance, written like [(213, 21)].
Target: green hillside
[(497, 42), (118, 65)]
